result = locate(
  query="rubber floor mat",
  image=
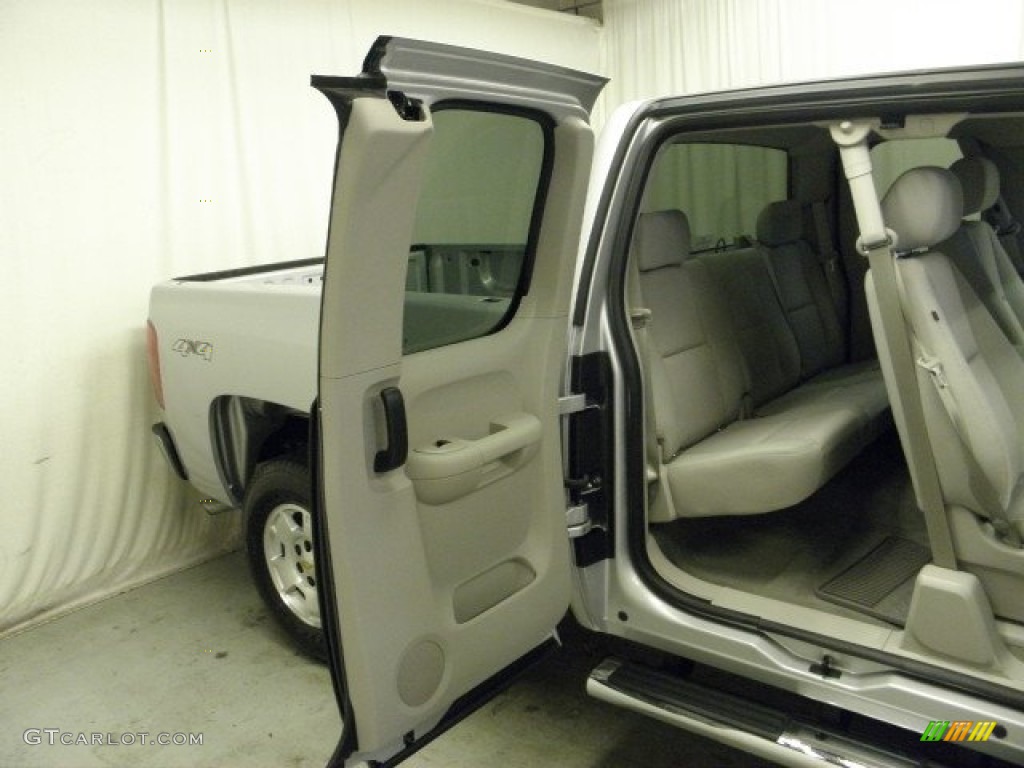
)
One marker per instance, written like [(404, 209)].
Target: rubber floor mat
[(882, 582)]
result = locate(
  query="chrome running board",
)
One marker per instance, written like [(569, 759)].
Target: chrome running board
[(751, 726)]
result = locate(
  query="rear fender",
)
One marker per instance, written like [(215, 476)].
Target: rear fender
[(245, 431)]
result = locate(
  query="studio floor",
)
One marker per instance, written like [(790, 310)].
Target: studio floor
[(196, 653)]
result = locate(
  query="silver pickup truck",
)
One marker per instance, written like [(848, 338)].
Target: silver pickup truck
[(233, 362), (727, 384)]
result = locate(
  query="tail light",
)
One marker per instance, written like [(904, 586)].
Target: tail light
[(153, 354)]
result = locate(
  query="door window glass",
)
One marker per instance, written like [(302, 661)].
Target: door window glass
[(472, 236)]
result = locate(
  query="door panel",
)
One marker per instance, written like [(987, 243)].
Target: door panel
[(454, 564)]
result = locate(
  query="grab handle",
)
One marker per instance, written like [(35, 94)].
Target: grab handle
[(394, 454)]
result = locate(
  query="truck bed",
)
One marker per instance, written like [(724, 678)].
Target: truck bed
[(237, 340)]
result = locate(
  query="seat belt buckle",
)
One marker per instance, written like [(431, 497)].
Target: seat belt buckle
[(934, 367), (640, 317), (1012, 229), (865, 247), (746, 409)]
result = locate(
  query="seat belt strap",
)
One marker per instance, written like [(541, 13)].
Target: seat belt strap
[(938, 378), (1008, 232), (983, 490), (829, 260), (876, 243), (641, 318), (916, 447), (766, 258)]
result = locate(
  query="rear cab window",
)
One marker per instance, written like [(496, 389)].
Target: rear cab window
[(890, 159), (721, 187)]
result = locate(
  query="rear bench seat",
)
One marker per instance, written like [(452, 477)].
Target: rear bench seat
[(753, 409), (802, 293)]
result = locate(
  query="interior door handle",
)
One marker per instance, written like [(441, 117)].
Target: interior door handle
[(394, 454), (450, 467)]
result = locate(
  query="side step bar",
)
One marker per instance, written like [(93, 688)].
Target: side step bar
[(751, 726)]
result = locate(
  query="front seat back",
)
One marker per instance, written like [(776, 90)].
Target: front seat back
[(977, 253), (971, 379)]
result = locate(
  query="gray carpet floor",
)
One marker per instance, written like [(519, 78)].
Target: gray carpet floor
[(790, 554)]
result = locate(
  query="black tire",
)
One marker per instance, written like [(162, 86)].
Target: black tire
[(279, 543)]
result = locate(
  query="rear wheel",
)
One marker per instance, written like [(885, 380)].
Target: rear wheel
[(279, 542)]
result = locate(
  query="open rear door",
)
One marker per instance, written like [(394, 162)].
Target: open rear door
[(454, 227)]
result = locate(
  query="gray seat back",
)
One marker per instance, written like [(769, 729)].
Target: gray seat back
[(769, 349), (802, 288), (970, 377), (696, 374), (978, 254)]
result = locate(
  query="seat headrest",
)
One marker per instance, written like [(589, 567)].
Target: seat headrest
[(979, 179), (780, 223), (662, 238), (923, 207)]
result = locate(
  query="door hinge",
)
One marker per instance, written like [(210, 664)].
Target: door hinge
[(577, 519), (572, 404)]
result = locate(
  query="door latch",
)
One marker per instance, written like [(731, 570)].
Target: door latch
[(577, 520), (573, 403)]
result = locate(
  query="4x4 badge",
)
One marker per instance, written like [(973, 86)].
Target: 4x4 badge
[(186, 347)]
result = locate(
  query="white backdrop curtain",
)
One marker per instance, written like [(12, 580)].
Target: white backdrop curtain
[(142, 139), (139, 141), (660, 47)]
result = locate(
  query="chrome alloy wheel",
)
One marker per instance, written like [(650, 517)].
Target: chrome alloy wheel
[(288, 549)]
